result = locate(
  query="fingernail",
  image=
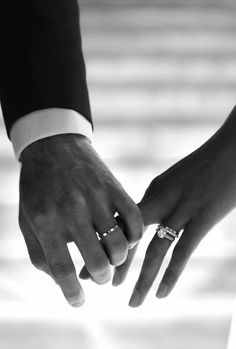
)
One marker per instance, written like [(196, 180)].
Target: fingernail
[(135, 299), (76, 301), (162, 290), (116, 279)]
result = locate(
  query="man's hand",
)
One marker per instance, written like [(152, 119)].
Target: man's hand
[(68, 194)]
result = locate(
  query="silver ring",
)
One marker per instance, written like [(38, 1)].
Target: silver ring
[(164, 232), (102, 235)]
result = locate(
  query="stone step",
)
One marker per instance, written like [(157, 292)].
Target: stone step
[(162, 72), (141, 18), (158, 42), (152, 105), (154, 108), (159, 3), (153, 52)]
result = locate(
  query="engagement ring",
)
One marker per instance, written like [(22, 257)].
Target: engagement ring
[(166, 232)]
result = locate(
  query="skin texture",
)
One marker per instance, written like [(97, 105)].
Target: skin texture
[(68, 194), (194, 194)]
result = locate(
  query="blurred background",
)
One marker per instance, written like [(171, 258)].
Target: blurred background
[(162, 79)]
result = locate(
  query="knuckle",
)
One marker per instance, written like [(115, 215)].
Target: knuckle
[(136, 236), (61, 269), (180, 253), (138, 225), (99, 266), (118, 260), (105, 222), (48, 241), (138, 215), (37, 262), (118, 257), (74, 201), (81, 201), (119, 246), (38, 203), (155, 251), (98, 192), (44, 221), (143, 284), (171, 276), (132, 210)]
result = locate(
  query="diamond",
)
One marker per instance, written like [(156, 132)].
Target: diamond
[(161, 233)]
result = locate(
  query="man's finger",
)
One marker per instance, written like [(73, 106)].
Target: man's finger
[(34, 247), (122, 270), (115, 243), (94, 256), (132, 218), (63, 269)]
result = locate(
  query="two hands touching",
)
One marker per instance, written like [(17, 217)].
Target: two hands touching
[(68, 194)]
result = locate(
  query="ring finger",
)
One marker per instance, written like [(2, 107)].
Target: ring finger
[(154, 257), (112, 238)]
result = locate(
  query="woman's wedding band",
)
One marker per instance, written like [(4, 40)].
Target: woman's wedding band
[(166, 232), (102, 235)]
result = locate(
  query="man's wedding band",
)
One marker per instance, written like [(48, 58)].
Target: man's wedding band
[(103, 235), (164, 232)]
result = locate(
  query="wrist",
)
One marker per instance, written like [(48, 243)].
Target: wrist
[(53, 146)]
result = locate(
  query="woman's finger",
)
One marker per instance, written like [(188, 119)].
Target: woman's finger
[(157, 206), (155, 254), (188, 242)]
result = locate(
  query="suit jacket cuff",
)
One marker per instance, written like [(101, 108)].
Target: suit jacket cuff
[(46, 123)]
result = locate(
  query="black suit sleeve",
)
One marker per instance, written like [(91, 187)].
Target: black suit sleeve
[(41, 59)]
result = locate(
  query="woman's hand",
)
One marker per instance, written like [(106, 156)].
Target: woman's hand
[(192, 195)]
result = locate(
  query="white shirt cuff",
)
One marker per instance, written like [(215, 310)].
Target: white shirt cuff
[(46, 123)]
